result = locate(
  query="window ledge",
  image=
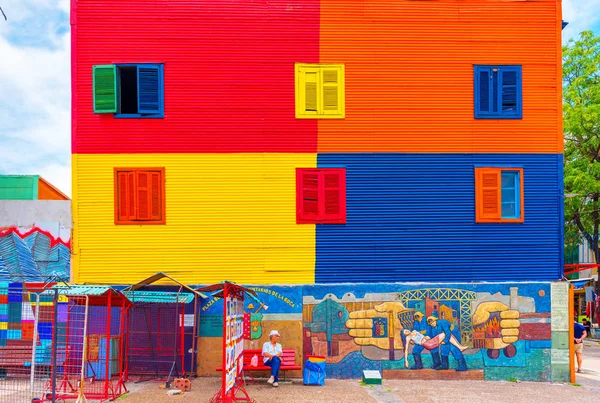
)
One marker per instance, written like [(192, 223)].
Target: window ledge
[(138, 116)]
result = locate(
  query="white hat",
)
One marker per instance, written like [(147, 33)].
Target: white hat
[(274, 333)]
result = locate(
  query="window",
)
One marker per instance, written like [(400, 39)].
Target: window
[(499, 195), (320, 91), (129, 90), (140, 196), (498, 92), (321, 196)]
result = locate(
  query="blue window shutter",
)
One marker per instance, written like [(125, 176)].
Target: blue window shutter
[(498, 92), (511, 84), (484, 90), (149, 89)]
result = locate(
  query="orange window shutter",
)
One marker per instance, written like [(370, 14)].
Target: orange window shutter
[(488, 194), (156, 196), (130, 196), (143, 193), (125, 197)]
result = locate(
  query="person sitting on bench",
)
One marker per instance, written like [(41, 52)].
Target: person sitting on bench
[(272, 353)]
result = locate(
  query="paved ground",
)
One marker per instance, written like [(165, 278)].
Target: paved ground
[(394, 391), (590, 375)]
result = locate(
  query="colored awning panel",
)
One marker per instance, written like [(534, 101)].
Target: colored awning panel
[(159, 297), (158, 277), (97, 294)]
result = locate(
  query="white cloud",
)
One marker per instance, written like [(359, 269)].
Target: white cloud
[(35, 91), (581, 15)]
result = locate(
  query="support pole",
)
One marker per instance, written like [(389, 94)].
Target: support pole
[(54, 345)]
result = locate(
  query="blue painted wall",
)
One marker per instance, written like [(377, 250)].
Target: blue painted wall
[(411, 217)]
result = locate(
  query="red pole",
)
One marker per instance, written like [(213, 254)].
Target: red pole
[(121, 333), (224, 374), (182, 349), (107, 354), (126, 342)]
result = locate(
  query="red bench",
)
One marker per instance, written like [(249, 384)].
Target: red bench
[(288, 361), (16, 358)]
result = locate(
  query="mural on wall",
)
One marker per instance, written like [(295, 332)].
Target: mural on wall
[(273, 303), (35, 254), (479, 331)]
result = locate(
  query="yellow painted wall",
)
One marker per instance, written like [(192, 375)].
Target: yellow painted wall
[(229, 216)]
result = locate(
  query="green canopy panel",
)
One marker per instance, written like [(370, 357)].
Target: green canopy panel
[(159, 297)]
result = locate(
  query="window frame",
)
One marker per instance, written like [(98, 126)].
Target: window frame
[(500, 114), (321, 218), (479, 215), (162, 196), (161, 94), (300, 95)]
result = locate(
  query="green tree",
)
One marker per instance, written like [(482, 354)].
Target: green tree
[(581, 109)]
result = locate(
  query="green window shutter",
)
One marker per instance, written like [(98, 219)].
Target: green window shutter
[(105, 89)]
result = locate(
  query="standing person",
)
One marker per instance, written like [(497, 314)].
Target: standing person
[(272, 353), (579, 334), (588, 326)]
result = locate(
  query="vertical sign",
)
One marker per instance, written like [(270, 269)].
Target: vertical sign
[(233, 331)]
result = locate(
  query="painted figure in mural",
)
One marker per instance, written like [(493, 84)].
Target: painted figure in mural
[(419, 340), (579, 335), (421, 327), (447, 330), (272, 353)]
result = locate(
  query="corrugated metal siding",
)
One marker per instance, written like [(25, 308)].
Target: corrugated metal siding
[(412, 218), (228, 74), (19, 187), (229, 217), (409, 74)]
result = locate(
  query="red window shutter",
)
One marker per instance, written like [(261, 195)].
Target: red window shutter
[(307, 195), (487, 189), (156, 196), (125, 197), (143, 192), (321, 196), (333, 207)]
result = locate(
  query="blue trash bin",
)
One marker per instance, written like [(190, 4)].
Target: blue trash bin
[(314, 373)]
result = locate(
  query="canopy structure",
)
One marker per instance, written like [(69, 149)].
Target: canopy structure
[(152, 280), (159, 297), (97, 294), (161, 328), (232, 289)]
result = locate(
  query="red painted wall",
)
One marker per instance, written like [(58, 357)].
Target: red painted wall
[(229, 74)]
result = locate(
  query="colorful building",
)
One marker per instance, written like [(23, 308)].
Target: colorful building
[(328, 142), (35, 230)]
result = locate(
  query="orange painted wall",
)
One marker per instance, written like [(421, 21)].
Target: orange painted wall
[(409, 74), (48, 192)]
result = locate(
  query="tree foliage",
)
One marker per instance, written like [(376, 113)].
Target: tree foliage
[(581, 109)]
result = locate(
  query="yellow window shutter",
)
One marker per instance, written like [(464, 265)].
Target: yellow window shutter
[(311, 82), (487, 189), (330, 91), (320, 91)]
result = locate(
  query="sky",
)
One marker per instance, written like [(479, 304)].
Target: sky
[(35, 94)]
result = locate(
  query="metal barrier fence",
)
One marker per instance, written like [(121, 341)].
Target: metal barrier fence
[(26, 343), (155, 337), (61, 344)]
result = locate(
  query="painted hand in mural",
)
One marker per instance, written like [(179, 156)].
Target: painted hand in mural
[(509, 319), (377, 326)]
